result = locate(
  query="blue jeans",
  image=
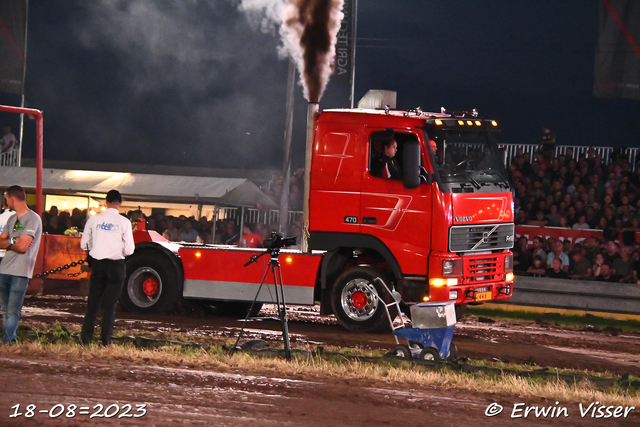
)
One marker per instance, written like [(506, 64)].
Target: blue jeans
[(12, 291)]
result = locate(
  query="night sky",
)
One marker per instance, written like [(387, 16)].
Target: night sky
[(200, 83)]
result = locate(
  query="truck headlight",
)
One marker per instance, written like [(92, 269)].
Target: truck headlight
[(452, 267), (508, 263), (439, 282)]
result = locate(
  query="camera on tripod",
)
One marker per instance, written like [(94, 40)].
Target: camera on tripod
[(273, 243), (276, 241)]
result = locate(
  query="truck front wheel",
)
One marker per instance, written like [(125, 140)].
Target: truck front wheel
[(150, 285), (355, 299)]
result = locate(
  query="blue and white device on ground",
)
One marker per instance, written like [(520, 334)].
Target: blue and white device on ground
[(431, 333), (433, 326)]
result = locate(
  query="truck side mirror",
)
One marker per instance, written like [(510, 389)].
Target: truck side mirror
[(411, 164)]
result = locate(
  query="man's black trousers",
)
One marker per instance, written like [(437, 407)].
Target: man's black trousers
[(107, 278)]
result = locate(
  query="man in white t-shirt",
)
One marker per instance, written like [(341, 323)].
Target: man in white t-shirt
[(108, 239), (4, 217), (582, 223), (8, 139)]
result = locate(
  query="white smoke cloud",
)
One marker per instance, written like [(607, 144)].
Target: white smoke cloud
[(166, 43), (187, 82), (193, 82), (265, 15)]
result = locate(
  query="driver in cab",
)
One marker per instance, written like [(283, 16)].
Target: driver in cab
[(386, 164), (434, 150)]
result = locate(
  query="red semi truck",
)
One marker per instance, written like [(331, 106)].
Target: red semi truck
[(441, 233)]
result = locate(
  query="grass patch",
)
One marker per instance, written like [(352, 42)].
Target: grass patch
[(580, 321), (60, 342), (519, 368)]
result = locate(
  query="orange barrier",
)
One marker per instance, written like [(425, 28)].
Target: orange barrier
[(58, 251)]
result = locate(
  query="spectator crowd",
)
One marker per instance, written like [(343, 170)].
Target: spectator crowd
[(274, 187), (189, 229), (177, 229), (581, 194)]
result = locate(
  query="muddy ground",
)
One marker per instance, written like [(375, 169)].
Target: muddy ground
[(191, 395)]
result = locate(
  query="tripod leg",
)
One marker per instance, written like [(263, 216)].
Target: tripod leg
[(244, 323), (282, 309), (285, 336)]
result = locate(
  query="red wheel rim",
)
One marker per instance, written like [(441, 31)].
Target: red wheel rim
[(359, 299), (150, 287)]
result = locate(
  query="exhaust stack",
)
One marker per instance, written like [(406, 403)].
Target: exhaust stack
[(313, 109)]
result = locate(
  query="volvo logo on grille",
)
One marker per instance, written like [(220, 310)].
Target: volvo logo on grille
[(463, 218), (485, 237)]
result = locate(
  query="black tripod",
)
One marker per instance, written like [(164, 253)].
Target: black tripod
[(274, 263)]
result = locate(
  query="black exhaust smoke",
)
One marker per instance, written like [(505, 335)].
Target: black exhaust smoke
[(311, 28)]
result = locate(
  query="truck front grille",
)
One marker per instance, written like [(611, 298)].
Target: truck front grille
[(466, 238), (481, 269)]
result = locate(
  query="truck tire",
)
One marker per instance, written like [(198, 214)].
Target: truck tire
[(353, 303), (151, 284)]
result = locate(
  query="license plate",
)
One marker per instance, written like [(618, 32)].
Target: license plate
[(483, 296)]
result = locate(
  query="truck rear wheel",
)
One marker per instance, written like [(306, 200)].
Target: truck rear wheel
[(354, 303), (150, 285)]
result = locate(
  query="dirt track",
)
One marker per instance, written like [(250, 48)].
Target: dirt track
[(510, 342), (190, 395), (219, 398)]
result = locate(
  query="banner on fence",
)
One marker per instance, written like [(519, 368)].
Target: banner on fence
[(574, 236)]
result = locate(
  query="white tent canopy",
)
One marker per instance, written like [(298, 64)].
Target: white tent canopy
[(247, 195), (135, 186)]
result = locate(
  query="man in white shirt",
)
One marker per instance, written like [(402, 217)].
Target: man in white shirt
[(108, 239), (582, 223), (8, 139)]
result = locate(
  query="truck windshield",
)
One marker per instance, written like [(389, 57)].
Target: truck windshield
[(467, 161)]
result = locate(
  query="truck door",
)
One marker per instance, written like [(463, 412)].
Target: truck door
[(399, 217), (335, 180)]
